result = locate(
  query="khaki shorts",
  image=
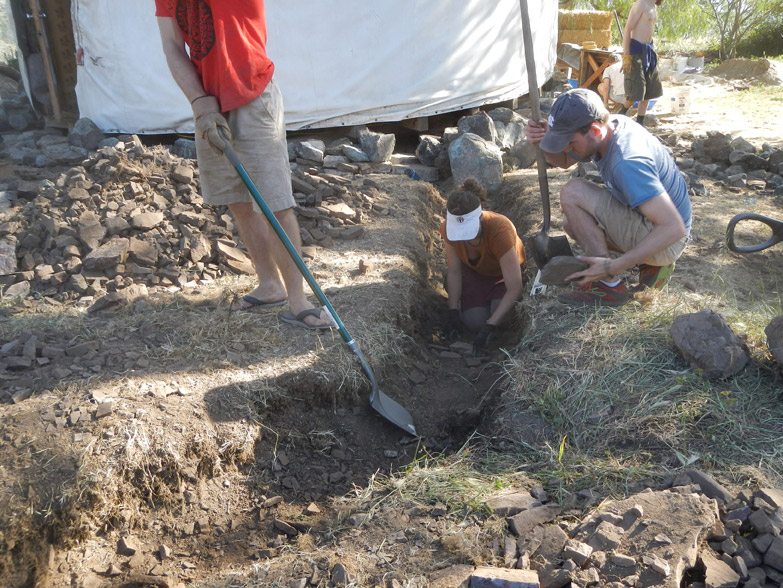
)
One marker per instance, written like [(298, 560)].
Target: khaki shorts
[(258, 131), (641, 85), (626, 227)]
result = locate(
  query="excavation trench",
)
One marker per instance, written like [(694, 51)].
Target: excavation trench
[(211, 459)]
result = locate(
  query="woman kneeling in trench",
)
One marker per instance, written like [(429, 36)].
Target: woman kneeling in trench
[(484, 256)]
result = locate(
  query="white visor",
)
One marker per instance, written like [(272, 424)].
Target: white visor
[(463, 227)]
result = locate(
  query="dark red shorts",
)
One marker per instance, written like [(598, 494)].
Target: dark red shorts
[(480, 290)]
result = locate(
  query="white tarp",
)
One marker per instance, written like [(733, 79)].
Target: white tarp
[(344, 62)]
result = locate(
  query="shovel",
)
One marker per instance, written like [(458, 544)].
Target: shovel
[(774, 224), (385, 406), (543, 247)]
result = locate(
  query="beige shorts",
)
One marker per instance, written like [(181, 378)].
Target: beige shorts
[(258, 131), (626, 227)]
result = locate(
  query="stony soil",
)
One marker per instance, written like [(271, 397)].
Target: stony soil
[(161, 440)]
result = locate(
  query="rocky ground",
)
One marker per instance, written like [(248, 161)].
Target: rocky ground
[(152, 438)]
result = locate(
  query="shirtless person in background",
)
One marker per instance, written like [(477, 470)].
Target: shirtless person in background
[(640, 63)]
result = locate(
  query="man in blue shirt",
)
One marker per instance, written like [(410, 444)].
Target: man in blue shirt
[(643, 213)]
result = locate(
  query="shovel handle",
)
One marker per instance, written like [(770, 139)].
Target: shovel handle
[(532, 82), (774, 224)]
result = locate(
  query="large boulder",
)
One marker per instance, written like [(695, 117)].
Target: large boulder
[(473, 157), (708, 344), (774, 332)]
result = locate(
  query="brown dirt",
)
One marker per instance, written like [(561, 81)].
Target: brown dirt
[(198, 449)]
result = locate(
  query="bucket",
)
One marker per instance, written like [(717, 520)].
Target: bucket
[(680, 100)]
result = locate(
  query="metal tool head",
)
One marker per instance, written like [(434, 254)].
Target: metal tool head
[(543, 248)]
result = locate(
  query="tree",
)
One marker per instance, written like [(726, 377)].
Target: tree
[(678, 20), (735, 19)]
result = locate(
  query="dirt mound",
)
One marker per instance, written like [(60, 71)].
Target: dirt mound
[(761, 71)]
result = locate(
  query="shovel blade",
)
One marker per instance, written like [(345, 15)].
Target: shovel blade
[(544, 248), (392, 411), (389, 409)]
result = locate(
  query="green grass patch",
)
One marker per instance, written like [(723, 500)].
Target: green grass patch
[(622, 405)]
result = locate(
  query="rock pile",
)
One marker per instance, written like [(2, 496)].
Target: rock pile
[(16, 113), (127, 214), (733, 162), (695, 533), (123, 214)]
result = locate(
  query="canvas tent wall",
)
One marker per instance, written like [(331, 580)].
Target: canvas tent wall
[(339, 63)]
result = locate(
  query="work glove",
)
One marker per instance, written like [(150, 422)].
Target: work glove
[(627, 64), (213, 127), (481, 341), (452, 329)]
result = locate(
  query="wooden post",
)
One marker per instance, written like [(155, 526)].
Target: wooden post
[(43, 46)]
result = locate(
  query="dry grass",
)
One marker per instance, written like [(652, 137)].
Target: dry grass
[(624, 407)]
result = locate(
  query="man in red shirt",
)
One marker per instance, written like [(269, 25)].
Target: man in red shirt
[(228, 80)]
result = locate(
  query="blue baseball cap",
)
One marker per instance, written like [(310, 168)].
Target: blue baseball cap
[(571, 111)]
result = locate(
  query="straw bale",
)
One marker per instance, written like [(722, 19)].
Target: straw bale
[(585, 20), (602, 39)]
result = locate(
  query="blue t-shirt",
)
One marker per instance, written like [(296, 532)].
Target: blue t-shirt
[(637, 167)]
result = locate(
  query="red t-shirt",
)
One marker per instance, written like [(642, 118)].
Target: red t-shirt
[(227, 43)]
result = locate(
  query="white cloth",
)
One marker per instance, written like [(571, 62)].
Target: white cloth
[(616, 81)]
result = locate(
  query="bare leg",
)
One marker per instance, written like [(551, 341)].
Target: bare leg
[(255, 232), (292, 277), (642, 110), (579, 199)]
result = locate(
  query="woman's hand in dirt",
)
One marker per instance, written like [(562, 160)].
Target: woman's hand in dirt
[(481, 341), (535, 131), (595, 271)]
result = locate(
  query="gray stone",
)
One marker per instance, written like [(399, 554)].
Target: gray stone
[(127, 546), (473, 157), (708, 344), (511, 501), (577, 551), (717, 146), (312, 150), (522, 523), (606, 537), (182, 174), (428, 149), (146, 220), (560, 267), (488, 577), (710, 487), (718, 574), (108, 255), (85, 133), (740, 144), (340, 575), (185, 148), (355, 154), (378, 146), (774, 555), (774, 333), (17, 290), (479, 124), (7, 256), (522, 154)]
